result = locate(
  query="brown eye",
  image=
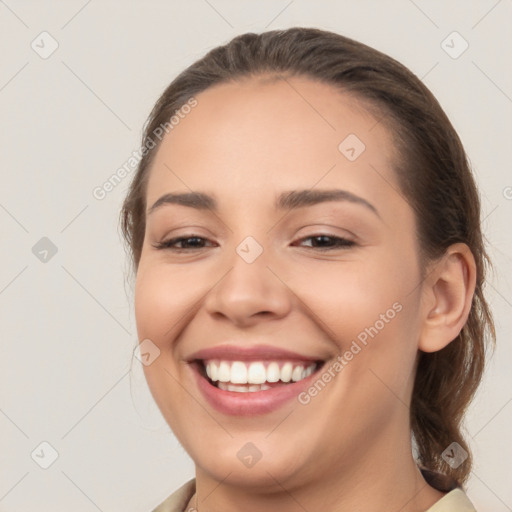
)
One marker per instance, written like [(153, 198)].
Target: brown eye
[(328, 242), (187, 243)]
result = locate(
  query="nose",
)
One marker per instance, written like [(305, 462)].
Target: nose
[(249, 293)]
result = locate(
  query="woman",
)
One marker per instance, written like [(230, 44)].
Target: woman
[(309, 264)]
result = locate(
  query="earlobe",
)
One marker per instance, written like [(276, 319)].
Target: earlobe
[(450, 288)]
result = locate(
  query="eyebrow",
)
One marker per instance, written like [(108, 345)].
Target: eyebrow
[(289, 200)]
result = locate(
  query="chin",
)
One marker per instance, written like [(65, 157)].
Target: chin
[(263, 463)]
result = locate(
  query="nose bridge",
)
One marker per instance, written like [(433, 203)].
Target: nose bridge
[(250, 235), (253, 236), (249, 287), (250, 279), (250, 249)]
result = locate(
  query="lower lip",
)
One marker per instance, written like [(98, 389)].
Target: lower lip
[(250, 403)]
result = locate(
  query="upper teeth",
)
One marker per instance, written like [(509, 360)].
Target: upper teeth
[(239, 372)]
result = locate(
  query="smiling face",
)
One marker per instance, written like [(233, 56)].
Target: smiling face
[(304, 255)]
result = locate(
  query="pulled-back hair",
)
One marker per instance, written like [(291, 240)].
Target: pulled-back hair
[(434, 176)]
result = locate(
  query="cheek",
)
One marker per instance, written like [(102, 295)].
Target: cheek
[(347, 296), (161, 304), (161, 300), (367, 309)]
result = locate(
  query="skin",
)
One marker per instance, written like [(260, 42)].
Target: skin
[(349, 448)]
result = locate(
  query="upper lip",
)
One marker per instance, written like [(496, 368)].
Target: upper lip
[(230, 352)]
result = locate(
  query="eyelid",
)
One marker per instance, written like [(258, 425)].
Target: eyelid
[(166, 243), (341, 242), (323, 229)]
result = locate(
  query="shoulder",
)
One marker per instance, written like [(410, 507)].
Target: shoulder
[(178, 500), (454, 501)]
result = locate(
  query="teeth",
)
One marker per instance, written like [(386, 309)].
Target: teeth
[(286, 372), (230, 374), (256, 374), (214, 372), (297, 373), (239, 373), (273, 372), (243, 389), (224, 374)]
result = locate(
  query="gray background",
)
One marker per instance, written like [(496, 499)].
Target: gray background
[(70, 120)]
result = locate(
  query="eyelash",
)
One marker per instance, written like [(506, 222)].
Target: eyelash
[(341, 243)]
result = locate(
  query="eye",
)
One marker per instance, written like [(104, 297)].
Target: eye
[(328, 242), (193, 241), (321, 242)]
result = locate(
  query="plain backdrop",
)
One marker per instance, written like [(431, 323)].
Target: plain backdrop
[(69, 119)]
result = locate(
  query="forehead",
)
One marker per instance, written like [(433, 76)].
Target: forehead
[(258, 135)]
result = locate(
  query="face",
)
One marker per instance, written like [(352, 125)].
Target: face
[(298, 274)]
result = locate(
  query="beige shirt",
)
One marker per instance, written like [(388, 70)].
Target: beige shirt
[(455, 501)]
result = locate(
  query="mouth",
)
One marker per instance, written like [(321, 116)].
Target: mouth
[(255, 376), (252, 386)]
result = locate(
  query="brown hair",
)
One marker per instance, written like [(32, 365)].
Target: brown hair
[(434, 176)]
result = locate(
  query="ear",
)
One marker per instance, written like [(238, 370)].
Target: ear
[(447, 296)]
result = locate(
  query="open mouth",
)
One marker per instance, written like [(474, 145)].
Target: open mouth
[(254, 376)]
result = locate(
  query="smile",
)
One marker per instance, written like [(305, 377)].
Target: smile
[(242, 377), (247, 381)]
